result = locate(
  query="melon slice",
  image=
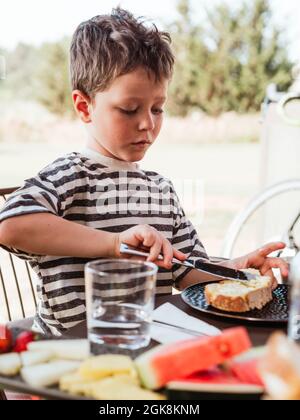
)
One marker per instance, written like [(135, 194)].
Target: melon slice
[(247, 372), (107, 365), (175, 361), (213, 384), (118, 388), (245, 366), (75, 384), (67, 381)]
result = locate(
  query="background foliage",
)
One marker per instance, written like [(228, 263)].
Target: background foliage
[(227, 63), (223, 64)]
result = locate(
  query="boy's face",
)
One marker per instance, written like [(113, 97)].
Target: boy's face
[(125, 119)]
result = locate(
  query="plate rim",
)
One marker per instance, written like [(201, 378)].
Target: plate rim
[(230, 315)]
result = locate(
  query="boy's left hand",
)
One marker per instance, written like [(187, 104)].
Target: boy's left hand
[(260, 260)]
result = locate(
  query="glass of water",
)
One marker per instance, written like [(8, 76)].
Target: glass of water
[(120, 301)]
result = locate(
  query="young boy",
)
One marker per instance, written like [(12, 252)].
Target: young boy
[(81, 206)]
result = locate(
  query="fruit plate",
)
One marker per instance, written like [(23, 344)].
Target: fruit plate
[(51, 358), (16, 383), (274, 312), (219, 388)]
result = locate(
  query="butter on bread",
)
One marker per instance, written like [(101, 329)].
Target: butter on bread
[(235, 296)]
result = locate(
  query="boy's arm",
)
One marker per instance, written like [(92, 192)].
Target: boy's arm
[(47, 234)]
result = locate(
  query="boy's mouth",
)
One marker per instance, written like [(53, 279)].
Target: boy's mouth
[(142, 143)]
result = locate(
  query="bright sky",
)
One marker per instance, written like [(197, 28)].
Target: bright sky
[(35, 21)]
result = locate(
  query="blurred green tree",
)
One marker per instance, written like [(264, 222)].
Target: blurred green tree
[(223, 64), (226, 63), (20, 69), (53, 87)]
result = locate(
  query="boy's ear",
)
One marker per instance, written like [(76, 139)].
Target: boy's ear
[(82, 105)]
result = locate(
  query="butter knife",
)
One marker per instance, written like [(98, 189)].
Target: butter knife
[(209, 271), (179, 329)]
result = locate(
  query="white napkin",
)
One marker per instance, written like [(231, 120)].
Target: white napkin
[(171, 314)]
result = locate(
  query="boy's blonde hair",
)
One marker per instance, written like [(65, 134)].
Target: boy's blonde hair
[(109, 46)]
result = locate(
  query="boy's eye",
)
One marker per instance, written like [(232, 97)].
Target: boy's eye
[(128, 111), (157, 111)]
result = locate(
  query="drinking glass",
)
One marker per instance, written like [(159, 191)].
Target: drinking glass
[(119, 301)]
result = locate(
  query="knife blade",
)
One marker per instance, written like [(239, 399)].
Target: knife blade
[(178, 328), (210, 272), (222, 271)]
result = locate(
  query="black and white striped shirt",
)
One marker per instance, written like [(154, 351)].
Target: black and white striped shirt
[(102, 193)]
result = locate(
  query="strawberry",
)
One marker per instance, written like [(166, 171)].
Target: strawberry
[(5, 339), (22, 340)]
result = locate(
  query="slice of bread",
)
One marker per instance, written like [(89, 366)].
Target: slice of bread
[(235, 296)]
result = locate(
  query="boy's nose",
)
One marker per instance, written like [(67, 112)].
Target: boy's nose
[(147, 122)]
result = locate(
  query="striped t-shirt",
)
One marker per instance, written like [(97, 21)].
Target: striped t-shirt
[(105, 194)]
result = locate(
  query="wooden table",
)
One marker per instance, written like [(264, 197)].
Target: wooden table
[(259, 333)]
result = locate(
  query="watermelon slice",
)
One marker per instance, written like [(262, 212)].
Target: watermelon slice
[(213, 384), (247, 372), (175, 361), (245, 366)]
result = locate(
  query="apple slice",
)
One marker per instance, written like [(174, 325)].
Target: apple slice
[(63, 349), (48, 374), (10, 364), (31, 358)]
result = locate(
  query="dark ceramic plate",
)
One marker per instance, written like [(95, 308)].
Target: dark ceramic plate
[(274, 312)]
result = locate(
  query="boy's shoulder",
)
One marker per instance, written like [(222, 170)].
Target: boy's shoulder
[(155, 175), (160, 180)]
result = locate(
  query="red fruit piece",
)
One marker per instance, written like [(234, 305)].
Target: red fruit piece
[(247, 372), (23, 339), (170, 362), (5, 339)]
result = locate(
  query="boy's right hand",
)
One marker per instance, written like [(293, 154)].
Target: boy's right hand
[(147, 236)]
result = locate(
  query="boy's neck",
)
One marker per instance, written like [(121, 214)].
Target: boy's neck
[(110, 162), (93, 144), (95, 151)]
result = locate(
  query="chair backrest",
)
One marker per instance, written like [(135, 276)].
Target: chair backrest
[(17, 289)]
